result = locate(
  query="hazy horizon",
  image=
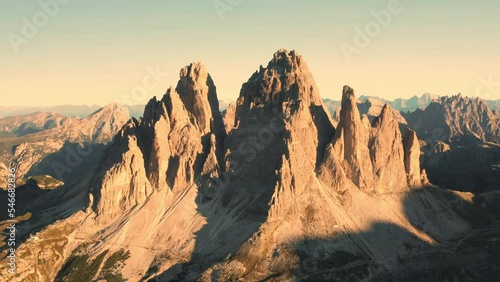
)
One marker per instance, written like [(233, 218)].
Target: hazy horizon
[(90, 52), (231, 100)]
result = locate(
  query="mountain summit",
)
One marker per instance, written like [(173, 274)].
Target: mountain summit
[(175, 145)]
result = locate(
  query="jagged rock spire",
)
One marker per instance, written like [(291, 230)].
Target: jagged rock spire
[(198, 94), (176, 144), (386, 152), (284, 83), (280, 107), (372, 156), (351, 142), (412, 158)]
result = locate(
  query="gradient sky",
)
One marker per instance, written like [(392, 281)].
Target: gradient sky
[(96, 52)]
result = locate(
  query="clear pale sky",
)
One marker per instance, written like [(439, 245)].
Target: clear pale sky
[(96, 52)]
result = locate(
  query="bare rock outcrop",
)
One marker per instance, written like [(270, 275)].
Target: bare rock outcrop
[(198, 94), (125, 183), (229, 116), (281, 118), (351, 142), (174, 146), (373, 156), (412, 158), (370, 106), (440, 147), (387, 154), (191, 203), (373, 107)]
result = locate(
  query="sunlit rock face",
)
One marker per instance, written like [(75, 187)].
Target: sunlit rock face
[(261, 193)]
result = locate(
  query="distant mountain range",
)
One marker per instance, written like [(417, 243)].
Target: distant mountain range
[(460, 138), (38, 141), (405, 105), (400, 104), (66, 110), (30, 123), (458, 120)]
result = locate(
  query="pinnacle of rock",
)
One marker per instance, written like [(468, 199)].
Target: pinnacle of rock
[(284, 82), (412, 158), (178, 141), (386, 151), (282, 101), (372, 155), (351, 139), (198, 94), (286, 61), (229, 116)]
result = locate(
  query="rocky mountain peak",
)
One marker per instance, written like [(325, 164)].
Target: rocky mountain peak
[(176, 199), (176, 144), (286, 79), (198, 94), (279, 124), (286, 61), (372, 156), (385, 116), (349, 101), (105, 122), (351, 140), (110, 110)]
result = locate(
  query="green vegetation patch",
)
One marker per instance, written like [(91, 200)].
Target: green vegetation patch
[(79, 267), (114, 263)]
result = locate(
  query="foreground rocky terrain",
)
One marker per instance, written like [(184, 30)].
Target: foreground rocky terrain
[(273, 191)]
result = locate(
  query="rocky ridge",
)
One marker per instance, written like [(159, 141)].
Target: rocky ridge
[(459, 120), (372, 154), (30, 151), (260, 201), (31, 123), (174, 145), (459, 137)]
